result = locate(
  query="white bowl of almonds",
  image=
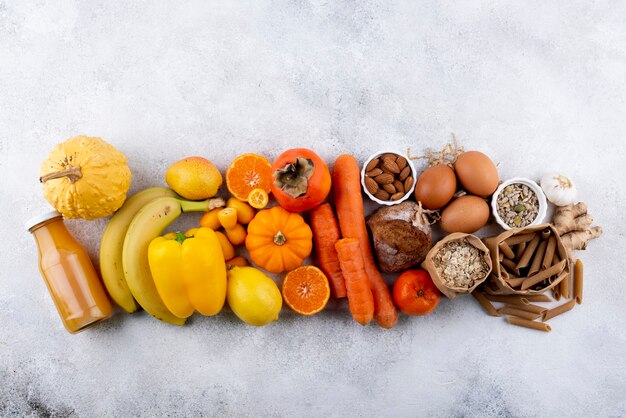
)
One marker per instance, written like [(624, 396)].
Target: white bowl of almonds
[(518, 203), (388, 177)]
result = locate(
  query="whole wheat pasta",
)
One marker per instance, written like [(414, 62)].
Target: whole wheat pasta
[(564, 286), (533, 308), (543, 275), (487, 306), (519, 250), (524, 261), (515, 281), (545, 234), (510, 266), (538, 298), (538, 258), (520, 313), (555, 259), (578, 281), (506, 250), (568, 306), (549, 253), (519, 239), (540, 326), (556, 293), (510, 299), (500, 257)]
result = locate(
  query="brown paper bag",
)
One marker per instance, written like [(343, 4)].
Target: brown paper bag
[(429, 265), (496, 285)]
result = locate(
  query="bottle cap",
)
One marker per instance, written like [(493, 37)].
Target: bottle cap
[(41, 218)]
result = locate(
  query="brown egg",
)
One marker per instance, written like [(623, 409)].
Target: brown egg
[(466, 214), (477, 173), (435, 186)]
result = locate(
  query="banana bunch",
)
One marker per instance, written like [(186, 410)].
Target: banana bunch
[(124, 248)]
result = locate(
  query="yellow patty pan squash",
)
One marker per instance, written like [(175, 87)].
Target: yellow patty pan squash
[(85, 177), (189, 271)]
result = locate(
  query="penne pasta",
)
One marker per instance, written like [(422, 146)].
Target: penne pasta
[(506, 250), (524, 261), (543, 275), (538, 298), (512, 300), (513, 310), (568, 306), (520, 322), (564, 286), (578, 281), (519, 250), (487, 306), (500, 257), (545, 234), (510, 266), (538, 258), (515, 281), (519, 239), (549, 253), (556, 293), (533, 308)]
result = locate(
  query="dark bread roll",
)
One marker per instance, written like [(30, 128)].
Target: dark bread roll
[(402, 236)]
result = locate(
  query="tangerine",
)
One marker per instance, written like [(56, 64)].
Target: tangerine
[(258, 198), (306, 290), (246, 173)]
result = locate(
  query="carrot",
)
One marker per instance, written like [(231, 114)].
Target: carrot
[(349, 205), (360, 297), (325, 234)]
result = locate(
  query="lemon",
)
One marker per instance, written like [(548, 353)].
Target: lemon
[(194, 178), (253, 296)]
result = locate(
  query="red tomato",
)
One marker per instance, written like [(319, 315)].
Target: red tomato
[(414, 293), (301, 180)]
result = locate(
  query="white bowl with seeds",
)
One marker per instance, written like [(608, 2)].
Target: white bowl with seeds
[(388, 177), (519, 202)]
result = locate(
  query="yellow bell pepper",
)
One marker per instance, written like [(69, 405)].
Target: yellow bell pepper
[(189, 271)]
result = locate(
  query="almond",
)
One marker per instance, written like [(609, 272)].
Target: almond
[(408, 183), (381, 194), (388, 155), (385, 178), (374, 172), (372, 164), (396, 196), (389, 165), (401, 161), (371, 185), (399, 186), (404, 173), (389, 188)]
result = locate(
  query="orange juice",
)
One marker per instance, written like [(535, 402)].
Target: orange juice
[(71, 278)]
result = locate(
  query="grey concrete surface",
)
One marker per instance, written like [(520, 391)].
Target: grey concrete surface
[(536, 85)]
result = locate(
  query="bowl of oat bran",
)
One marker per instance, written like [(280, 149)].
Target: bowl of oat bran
[(458, 264), (518, 203)]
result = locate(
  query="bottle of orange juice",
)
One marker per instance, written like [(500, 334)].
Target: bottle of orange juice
[(71, 278)]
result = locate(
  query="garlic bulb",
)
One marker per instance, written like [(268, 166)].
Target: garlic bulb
[(559, 189)]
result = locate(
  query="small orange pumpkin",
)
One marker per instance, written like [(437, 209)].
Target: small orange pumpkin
[(278, 240)]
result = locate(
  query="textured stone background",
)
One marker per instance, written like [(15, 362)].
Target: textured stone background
[(537, 85)]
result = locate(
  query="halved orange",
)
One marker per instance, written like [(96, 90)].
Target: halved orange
[(306, 290), (258, 198), (246, 173)]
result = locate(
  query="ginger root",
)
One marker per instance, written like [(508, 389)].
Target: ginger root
[(573, 224)]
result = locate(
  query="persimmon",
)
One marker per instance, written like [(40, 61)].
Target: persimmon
[(414, 293), (300, 180)]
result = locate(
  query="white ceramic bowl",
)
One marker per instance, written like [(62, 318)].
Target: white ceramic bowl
[(388, 202), (541, 199)]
